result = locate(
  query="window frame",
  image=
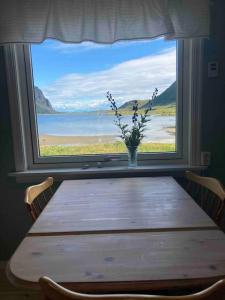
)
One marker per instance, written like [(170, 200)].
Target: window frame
[(20, 84)]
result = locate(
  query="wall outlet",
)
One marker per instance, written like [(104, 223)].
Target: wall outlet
[(205, 158)]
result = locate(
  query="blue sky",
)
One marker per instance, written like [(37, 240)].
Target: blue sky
[(77, 76)]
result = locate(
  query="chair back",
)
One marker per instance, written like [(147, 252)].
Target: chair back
[(53, 291), (37, 196), (208, 193)]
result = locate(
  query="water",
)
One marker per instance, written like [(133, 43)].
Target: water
[(96, 124)]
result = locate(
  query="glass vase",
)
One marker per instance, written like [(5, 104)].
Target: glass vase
[(132, 157)]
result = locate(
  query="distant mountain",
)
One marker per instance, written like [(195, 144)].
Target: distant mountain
[(43, 105), (167, 97), (129, 104)]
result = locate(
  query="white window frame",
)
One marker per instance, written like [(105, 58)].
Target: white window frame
[(20, 85)]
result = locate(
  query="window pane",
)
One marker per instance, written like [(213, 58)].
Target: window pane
[(71, 82)]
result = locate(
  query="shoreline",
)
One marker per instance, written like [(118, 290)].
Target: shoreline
[(56, 140), (171, 130), (158, 110)]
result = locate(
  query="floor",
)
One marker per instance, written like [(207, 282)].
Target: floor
[(9, 292)]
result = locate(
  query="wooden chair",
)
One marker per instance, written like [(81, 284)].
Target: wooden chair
[(37, 196), (208, 193), (53, 291)]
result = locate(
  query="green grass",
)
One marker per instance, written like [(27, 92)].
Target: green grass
[(117, 147), (163, 110)]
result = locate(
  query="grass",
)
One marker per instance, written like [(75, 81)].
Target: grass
[(165, 110), (117, 147), (161, 110)]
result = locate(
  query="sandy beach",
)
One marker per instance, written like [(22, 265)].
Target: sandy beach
[(171, 130), (52, 140)]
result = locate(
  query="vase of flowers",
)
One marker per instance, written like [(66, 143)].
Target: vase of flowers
[(132, 156), (133, 134)]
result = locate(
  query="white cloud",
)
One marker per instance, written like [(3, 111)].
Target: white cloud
[(133, 79)]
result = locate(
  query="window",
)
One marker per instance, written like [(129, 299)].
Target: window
[(63, 113), (70, 85)]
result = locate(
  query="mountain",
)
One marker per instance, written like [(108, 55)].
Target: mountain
[(43, 105), (167, 97), (129, 104)]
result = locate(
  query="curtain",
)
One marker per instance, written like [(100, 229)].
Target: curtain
[(102, 21)]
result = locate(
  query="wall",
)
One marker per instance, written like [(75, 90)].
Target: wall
[(14, 222), (213, 113)]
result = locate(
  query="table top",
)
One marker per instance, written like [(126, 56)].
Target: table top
[(121, 261), (126, 234), (112, 205)]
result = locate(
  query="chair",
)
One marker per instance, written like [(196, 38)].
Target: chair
[(53, 291), (209, 193), (37, 196)]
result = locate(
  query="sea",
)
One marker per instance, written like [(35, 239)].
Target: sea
[(98, 124)]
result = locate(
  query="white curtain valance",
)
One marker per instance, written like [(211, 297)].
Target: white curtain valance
[(102, 21)]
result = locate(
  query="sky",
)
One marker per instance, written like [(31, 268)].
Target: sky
[(76, 77)]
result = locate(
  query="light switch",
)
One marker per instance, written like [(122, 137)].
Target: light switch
[(213, 69)]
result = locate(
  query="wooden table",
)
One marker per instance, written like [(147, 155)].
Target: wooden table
[(121, 235), (120, 204)]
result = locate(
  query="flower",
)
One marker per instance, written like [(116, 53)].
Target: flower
[(132, 136)]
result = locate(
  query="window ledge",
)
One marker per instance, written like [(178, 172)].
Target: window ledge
[(68, 173)]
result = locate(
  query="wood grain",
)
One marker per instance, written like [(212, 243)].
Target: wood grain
[(36, 197), (120, 204), (210, 183), (209, 193), (125, 261)]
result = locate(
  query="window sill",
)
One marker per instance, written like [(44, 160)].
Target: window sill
[(62, 174)]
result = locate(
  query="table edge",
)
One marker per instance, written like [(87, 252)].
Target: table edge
[(119, 286)]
